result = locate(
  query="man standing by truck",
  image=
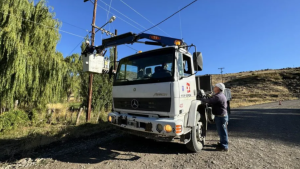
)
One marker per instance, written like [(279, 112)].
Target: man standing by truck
[(219, 108)]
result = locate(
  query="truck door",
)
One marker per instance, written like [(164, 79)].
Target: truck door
[(187, 84)]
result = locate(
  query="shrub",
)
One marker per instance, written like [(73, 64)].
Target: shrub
[(13, 119)]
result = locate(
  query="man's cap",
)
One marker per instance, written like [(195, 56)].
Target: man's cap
[(221, 86)]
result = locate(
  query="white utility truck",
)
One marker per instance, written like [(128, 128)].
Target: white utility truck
[(155, 93)]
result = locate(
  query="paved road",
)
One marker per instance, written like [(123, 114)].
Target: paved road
[(261, 136)]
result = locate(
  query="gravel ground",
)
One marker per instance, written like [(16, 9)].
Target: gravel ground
[(260, 136)]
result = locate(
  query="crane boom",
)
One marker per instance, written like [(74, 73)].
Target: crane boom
[(130, 38)]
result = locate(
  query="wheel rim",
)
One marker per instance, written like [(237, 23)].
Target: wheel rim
[(199, 131)]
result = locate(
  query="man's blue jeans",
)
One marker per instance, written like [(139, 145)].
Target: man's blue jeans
[(221, 123)]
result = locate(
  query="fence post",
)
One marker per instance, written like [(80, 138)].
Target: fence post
[(16, 104), (78, 116)]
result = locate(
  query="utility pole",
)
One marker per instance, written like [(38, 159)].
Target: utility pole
[(221, 72), (88, 115), (115, 52)]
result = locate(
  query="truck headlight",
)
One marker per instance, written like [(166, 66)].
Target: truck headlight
[(109, 118), (168, 128)]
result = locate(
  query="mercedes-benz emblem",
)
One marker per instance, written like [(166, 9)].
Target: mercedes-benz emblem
[(134, 104)]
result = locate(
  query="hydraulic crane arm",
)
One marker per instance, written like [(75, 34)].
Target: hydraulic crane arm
[(130, 38)]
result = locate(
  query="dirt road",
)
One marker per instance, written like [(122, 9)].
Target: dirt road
[(261, 136)]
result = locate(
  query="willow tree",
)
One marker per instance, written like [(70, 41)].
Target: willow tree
[(72, 78), (31, 70)]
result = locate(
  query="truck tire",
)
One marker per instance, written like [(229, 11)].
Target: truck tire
[(197, 140)]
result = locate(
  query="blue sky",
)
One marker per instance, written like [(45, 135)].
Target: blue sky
[(239, 35)]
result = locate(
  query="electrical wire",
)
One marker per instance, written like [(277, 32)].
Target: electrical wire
[(120, 13), (169, 16), (180, 25), (120, 18), (131, 48), (108, 10), (64, 22), (77, 45), (43, 25), (143, 16)]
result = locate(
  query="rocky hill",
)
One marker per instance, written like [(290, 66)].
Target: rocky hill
[(255, 87)]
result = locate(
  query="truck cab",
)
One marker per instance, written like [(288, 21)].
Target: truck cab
[(154, 95)]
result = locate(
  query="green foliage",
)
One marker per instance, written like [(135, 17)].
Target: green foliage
[(102, 88), (72, 78), (31, 70), (13, 119)]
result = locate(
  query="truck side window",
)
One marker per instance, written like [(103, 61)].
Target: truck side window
[(187, 65), (180, 65)]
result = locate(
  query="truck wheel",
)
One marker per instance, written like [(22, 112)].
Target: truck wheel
[(197, 136)]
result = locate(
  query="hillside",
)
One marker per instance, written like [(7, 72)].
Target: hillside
[(255, 87)]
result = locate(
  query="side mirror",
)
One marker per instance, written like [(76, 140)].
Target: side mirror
[(111, 72), (198, 61)]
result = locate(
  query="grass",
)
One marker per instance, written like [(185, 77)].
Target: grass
[(258, 87), (61, 127)]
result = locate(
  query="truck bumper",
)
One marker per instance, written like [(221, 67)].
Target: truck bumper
[(165, 127)]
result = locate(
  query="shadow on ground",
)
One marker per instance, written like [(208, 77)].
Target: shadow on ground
[(272, 124)]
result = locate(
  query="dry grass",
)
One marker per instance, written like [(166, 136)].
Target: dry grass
[(257, 87), (250, 102)]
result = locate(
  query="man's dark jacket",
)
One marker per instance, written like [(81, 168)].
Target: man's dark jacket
[(218, 103)]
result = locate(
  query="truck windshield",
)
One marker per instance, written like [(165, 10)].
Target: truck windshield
[(149, 67)]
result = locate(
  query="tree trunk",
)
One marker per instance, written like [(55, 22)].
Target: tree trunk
[(97, 119), (69, 96), (78, 116), (49, 115)]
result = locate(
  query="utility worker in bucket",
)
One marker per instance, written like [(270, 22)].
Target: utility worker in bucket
[(219, 108)]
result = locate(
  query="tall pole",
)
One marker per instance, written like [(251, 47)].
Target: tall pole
[(115, 52), (221, 72), (88, 115)]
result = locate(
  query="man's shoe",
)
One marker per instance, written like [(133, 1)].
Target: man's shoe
[(220, 148), (219, 144)]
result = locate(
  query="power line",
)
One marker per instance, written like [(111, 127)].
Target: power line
[(120, 18), (180, 25), (169, 16), (108, 10), (143, 16), (121, 14), (131, 48), (43, 25), (74, 25), (77, 45)]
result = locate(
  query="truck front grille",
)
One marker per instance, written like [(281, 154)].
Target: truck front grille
[(144, 104)]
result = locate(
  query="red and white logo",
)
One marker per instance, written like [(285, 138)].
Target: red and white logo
[(181, 105), (188, 87)]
